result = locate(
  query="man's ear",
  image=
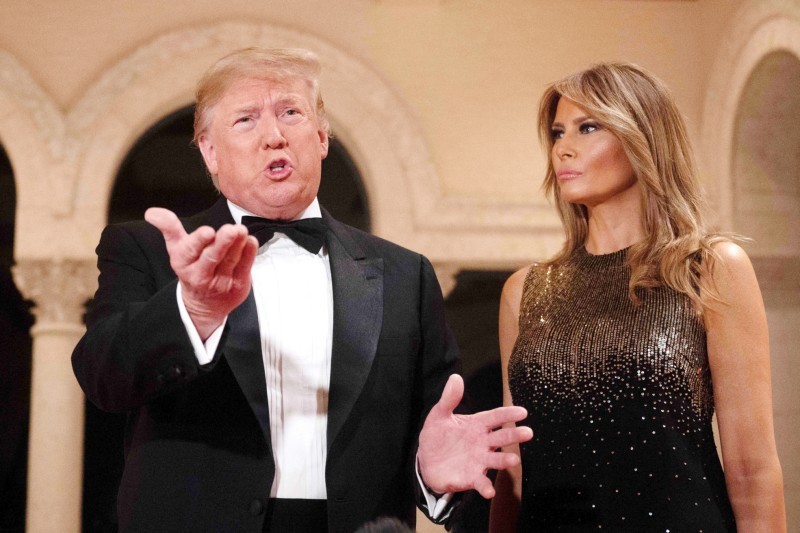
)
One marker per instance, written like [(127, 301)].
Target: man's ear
[(209, 154), (324, 142)]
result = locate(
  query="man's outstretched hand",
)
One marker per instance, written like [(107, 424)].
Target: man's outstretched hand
[(456, 451), (213, 267)]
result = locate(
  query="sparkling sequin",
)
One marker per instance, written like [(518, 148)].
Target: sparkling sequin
[(620, 400)]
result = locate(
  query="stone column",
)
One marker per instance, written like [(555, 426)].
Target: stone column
[(58, 289)]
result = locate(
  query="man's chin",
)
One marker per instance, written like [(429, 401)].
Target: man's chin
[(282, 207)]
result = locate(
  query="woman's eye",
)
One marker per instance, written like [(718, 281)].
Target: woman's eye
[(589, 127), (556, 134)]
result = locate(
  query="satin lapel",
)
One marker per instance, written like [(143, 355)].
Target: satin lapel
[(357, 318), (242, 341), (242, 351)]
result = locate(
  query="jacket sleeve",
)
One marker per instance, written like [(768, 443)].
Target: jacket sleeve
[(440, 359), (136, 346)]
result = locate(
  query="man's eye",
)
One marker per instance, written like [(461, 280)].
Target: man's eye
[(243, 120)]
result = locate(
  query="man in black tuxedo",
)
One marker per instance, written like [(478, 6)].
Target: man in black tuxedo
[(277, 379)]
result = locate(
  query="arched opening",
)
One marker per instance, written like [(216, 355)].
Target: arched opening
[(766, 160), (165, 169), (15, 366), (162, 169)]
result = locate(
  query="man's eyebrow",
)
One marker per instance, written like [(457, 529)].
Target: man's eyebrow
[(247, 108)]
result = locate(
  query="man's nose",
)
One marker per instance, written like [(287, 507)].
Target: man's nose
[(271, 134)]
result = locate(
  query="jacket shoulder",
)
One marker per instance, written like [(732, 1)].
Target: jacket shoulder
[(369, 245)]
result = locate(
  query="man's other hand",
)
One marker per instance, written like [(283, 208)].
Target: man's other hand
[(456, 451)]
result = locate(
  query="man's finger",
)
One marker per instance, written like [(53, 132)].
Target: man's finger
[(225, 250), (507, 436), (500, 460), (502, 415), (233, 255), (167, 223), (241, 271), (484, 487)]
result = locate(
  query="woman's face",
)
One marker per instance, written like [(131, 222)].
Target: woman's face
[(589, 162)]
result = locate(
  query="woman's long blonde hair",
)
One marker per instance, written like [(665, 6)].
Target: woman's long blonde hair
[(637, 107)]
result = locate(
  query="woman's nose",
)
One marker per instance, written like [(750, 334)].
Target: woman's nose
[(563, 148)]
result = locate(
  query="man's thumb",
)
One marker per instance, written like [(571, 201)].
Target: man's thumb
[(452, 393), (166, 221)]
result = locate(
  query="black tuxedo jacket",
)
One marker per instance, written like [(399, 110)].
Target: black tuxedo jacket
[(197, 445)]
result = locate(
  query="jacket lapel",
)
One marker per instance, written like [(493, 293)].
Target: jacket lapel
[(241, 344), (242, 351), (357, 317)]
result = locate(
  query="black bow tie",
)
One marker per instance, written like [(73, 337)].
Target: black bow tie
[(306, 232)]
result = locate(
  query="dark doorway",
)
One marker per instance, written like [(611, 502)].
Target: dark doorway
[(15, 366)]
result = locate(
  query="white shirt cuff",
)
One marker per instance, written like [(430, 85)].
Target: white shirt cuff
[(203, 351), (438, 508)]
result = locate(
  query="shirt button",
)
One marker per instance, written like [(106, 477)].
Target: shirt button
[(256, 507)]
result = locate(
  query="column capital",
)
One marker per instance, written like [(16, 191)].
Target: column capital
[(59, 288)]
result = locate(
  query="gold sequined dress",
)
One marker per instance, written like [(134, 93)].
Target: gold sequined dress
[(619, 397)]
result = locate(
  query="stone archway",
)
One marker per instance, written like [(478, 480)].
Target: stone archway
[(381, 133), (366, 115), (761, 28)]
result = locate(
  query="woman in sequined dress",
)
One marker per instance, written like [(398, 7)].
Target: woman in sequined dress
[(625, 343)]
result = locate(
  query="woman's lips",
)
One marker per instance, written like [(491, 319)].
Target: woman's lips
[(568, 174)]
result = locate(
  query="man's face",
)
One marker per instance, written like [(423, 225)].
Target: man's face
[(266, 147)]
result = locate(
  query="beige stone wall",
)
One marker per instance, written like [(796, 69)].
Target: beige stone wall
[(436, 99), (469, 71)]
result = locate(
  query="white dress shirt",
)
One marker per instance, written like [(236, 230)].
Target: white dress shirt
[(294, 300)]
